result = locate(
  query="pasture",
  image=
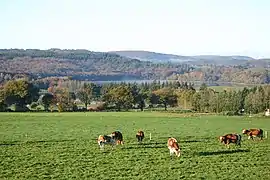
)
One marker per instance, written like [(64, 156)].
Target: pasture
[(64, 146)]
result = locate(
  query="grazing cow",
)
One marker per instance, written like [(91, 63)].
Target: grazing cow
[(140, 136), (253, 133), (105, 139), (118, 137), (173, 147), (231, 138)]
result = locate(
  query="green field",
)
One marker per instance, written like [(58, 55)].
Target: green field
[(64, 146)]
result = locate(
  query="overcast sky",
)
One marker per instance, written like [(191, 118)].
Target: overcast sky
[(184, 27)]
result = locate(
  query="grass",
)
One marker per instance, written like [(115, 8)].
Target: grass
[(64, 146), (222, 88)]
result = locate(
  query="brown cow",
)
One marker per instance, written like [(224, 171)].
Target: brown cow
[(173, 147), (118, 137), (140, 136), (231, 138), (253, 133)]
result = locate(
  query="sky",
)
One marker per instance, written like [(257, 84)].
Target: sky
[(183, 27)]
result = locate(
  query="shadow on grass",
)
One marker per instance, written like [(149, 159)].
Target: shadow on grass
[(7, 144), (142, 147), (13, 143), (146, 144), (49, 141), (154, 143), (212, 153), (192, 141)]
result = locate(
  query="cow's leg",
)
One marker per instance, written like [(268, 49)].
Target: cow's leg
[(227, 143), (171, 152), (113, 145), (239, 143), (101, 146)]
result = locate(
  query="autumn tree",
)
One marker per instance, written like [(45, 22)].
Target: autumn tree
[(166, 97), (64, 100), (2, 100), (20, 92), (86, 94), (184, 97), (120, 96)]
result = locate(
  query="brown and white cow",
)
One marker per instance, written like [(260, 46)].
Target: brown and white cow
[(105, 139), (231, 138), (140, 136), (173, 146), (253, 133), (118, 137)]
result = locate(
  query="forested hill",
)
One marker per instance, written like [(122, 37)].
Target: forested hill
[(153, 56), (83, 65), (161, 57), (103, 66)]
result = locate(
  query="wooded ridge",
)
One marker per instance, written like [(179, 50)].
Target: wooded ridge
[(104, 66)]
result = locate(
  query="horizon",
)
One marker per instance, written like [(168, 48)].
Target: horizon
[(185, 28), (144, 51)]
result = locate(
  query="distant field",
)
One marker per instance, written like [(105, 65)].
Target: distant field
[(63, 146), (222, 88), (233, 87)]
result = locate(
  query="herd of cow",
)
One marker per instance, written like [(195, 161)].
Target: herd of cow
[(116, 138)]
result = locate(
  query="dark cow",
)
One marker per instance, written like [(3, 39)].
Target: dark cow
[(140, 136), (118, 137), (105, 139), (253, 133), (231, 138), (173, 146)]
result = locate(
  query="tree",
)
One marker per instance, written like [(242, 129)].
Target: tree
[(86, 93), (120, 96), (2, 95), (139, 96), (166, 97), (2, 100), (20, 92), (184, 97), (63, 99), (203, 87), (46, 100)]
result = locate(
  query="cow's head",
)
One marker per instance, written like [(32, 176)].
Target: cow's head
[(221, 138), (178, 153), (244, 131), (100, 139)]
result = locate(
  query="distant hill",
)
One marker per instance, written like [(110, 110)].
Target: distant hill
[(83, 65), (161, 57), (153, 56), (104, 66)]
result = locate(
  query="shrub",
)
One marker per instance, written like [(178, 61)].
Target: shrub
[(3, 107)]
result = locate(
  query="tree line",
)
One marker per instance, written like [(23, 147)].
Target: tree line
[(102, 66), (84, 65), (25, 95)]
